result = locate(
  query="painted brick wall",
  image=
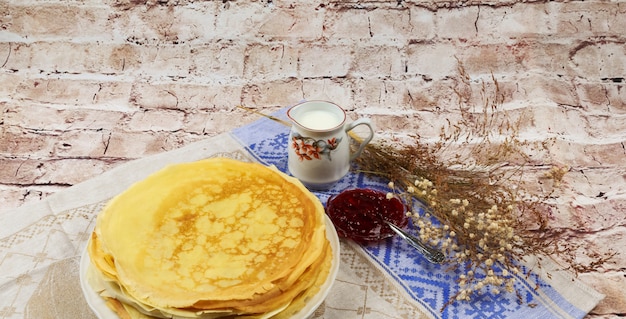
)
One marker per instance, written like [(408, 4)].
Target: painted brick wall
[(88, 84)]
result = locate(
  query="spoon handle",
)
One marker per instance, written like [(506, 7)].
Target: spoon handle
[(433, 255)]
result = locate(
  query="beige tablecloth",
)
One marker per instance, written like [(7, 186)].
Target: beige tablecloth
[(41, 246)]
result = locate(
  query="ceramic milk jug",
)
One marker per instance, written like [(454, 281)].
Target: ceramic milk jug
[(319, 146)]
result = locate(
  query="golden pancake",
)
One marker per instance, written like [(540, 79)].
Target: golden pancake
[(211, 238), (306, 286), (283, 307)]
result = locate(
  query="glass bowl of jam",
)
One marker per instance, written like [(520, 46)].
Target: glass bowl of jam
[(360, 214)]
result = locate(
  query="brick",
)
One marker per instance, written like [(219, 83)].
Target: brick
[(92, 144), (334, 90), (347, 24), (556, 89), (382, 93), (167, 60), (147, 96), (67, 57), (217, 61), (33, 117), (446, 4), (96, 94), (325, 61), (271, 61), (379, 25), (237, 19), (10, 83), (156, 120), (379, 61), (584, 19), (283, 23), (553, 120), (273, 93), (70, 144), (432, 60), (18, 142), (488, 89), (213, 60), (486, 59), (423, 24), (609, 59), (202, 122), (611, 284), (457, 23), (30, 172), (130, 145), (180, 24), (593, 96), (609, 154), (59, 21), (605, 185), (213, 123), (609, 98), (605, 127), (195, 122), (592, 214), (398, 122), (125, 145), (272, 22), (549, 57), (617, 98), (407, 123), (517, 57), (19, 171), (602, 241), (185, 96), (118, 144), (499, 23), (432, 95)]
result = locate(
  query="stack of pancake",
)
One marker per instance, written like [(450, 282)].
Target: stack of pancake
[(217, 238)]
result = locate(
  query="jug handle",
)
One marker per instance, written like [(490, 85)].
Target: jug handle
[(350, 126)]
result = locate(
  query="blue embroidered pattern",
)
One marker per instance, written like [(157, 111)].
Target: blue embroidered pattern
[(429, 284)]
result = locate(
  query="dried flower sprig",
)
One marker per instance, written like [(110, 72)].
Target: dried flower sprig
[(474, 202), (465, 215)]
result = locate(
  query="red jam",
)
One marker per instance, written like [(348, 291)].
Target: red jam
[(359, 214)]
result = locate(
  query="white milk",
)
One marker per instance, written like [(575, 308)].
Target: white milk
[(318, 120)]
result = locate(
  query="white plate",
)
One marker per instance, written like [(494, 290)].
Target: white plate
[(98, 306)]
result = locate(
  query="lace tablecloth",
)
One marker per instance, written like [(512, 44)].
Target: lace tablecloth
[(41, 245)]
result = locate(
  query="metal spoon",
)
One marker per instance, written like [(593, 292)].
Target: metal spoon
[(433, 255)]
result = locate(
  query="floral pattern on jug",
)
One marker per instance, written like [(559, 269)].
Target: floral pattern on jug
[(308, 148)]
